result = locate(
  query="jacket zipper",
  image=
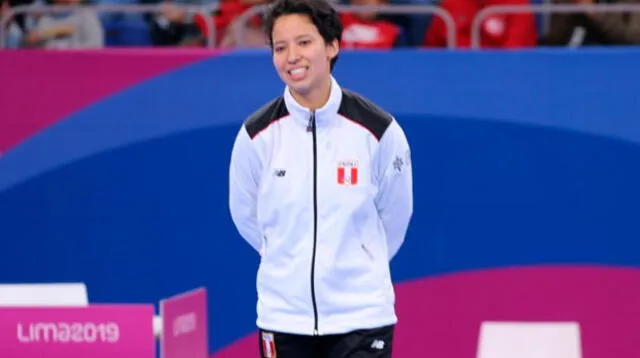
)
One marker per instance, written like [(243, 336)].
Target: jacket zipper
[(312, 126)]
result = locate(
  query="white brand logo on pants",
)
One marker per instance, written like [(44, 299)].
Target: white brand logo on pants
[(377, 344)]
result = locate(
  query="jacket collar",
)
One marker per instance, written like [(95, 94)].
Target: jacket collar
[(324, 115)]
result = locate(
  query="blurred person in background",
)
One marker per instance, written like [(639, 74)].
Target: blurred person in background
[(252, 34), (11, 32), (496, 31), (17, 26), (227, 25), (73, 29), (593, 28), (20, 19), (366, 30), (174, 26)]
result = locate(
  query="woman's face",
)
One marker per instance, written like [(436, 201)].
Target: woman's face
[(300, 55)]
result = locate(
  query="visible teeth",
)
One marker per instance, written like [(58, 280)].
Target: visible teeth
[(298, 71)]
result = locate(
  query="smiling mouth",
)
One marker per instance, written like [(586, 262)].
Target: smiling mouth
[(298, 73)]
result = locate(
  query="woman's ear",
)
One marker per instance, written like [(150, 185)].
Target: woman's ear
[(333, 49)]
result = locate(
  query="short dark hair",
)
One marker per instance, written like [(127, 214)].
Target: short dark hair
[(320, 12)]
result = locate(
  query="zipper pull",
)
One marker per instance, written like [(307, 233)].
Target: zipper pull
[(312, 122)]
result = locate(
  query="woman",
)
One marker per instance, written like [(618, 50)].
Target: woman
[(321, 187), (76, 29)]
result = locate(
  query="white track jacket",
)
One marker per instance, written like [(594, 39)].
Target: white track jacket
[(325, 197)]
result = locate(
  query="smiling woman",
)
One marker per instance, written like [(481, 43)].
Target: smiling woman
[(304, 53), (321, 187)]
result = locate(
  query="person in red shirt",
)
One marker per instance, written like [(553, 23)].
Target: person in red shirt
[(366, 30), (496, 31), (227, 12)]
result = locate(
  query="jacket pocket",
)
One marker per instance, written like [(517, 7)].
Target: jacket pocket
[(263, 249), (367, 251)]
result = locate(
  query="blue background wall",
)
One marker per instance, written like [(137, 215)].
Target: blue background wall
[(520, 158)]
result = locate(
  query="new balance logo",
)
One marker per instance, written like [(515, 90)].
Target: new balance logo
[(377, 344), (279, 172)]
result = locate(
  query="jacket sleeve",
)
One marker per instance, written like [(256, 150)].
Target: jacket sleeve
[(394, 200), (244, 178)]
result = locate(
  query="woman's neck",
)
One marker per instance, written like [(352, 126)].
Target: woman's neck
[(316, 98)]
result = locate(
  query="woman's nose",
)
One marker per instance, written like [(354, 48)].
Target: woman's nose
[(293, 56)]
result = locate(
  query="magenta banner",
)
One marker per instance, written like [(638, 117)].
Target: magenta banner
[(66, 82), (184, 325), (100, 331)]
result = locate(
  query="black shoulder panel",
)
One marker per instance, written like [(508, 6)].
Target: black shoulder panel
[(263, 117), (362, 111)]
